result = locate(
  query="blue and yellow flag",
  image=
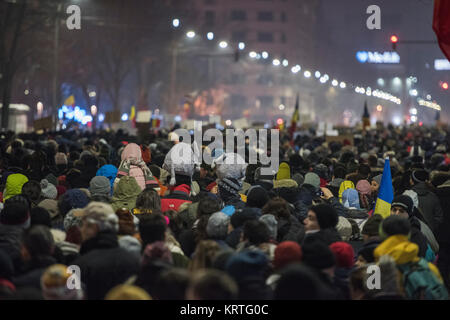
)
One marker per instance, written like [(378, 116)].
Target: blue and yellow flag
[(385, 192)]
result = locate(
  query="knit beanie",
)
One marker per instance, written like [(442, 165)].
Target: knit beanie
[(247, 263), (257, 197), (16, 212), (419, 175), (287, 252), (259, 176), (317, 254), (344, 228), (71, 220), (377, 179), (60, 158), (181, 160), (272, 223), (326, 216), (241, 216), (312, 179), (217, 227), (363, 187), (299, 179), (48, 190), (100, 185), (51, 178), (229, 186), (405, 202), (73, 198), (51, 206), (414, 197), (130, 244), (14, 184), (109, 171), (372, 225), (343, 253), (284, 171)]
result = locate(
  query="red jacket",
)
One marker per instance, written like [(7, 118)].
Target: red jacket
[(176, 198)]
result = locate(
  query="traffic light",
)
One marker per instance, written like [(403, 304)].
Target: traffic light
[(444, 85), (394, 41)]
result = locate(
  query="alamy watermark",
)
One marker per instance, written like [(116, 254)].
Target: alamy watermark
[(74, 280), (257, 146), (74, 20), (374, 20)]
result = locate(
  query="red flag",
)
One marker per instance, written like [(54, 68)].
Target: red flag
[(441, 25)]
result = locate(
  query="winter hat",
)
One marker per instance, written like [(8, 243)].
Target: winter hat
[(156, 250), (372, 225), (16, 212), (247, 263), (109, 171), (54, 282), (317, 254), (48, 190), (284, 171), (130, 244), (60, 158), (377, 179), (363, 187), (405, 202), (257, 197), (239, 218), (336, 183), (14, 184), (414, 197), (40, 216), (344, 254), (326, 216), (272, 223), (125, 193), (344, 228), (61, 190), (211, 186), (51, 178), (419, 175), (73, 198), (350, 199), (101, 214), (217, 227), (297, 282), (51, 206), (287, 252), (229, 186), (298, 178), (181, 160), (71, 220), (127, 292), (230, 165), (100, 185), (312, 179)]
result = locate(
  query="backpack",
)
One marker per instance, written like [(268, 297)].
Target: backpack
[(420, 283)]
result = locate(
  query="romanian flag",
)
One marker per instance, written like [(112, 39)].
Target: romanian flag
[(385, 192), (155, 123), (70, 101)]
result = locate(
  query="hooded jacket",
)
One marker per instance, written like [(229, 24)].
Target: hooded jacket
[(133, 151), (430, 206), (402, 251), (14, 184), (125, 193), (176, 198)]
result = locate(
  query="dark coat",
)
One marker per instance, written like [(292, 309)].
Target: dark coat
[(290, 229), (430, 206), (31, 277), (418, 237), (104, 265), (10, 242), (443, 234)]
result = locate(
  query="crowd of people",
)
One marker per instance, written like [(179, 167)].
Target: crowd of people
[(113, 211)]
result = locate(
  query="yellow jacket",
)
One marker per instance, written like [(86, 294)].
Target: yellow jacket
[(402, 251)]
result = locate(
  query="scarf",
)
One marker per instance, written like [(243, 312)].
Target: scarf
[(125, 166)]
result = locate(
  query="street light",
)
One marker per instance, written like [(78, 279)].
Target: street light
[(241, 46), (176, 23), (223, 44), (317, 74), (190, 34), (93, 110), (276, 62), (210, 36), (40, 108), (307, 74), (285, 62), (264, 55)]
